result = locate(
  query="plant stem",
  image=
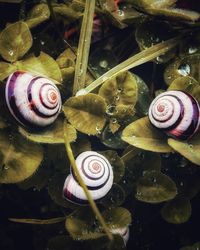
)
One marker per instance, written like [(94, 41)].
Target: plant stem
[(82, 184), (136, 60), (84, 46)]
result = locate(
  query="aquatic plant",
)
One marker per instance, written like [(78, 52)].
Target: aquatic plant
[(106, 63)]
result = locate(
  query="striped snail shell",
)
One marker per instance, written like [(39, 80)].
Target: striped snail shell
[(123, 232), (34, 101), (97, 175), (176, 113)]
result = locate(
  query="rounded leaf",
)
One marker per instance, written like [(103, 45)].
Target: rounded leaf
[(155, 187), (52, 134), (177, 211), (6, 69), (143, 135), (86, 113), (15, 41), (19, 158), (189, 149)]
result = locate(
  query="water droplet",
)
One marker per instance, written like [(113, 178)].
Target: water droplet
[(117, 98), (103, 64), (11, 52), (98, 129), (181, 184), (110, 109), (191, 146), (114, 120), (6, 167), (184, 70), (42, 42), (120, 12), (192, 50)]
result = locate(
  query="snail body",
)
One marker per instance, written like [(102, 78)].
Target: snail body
[(176, 113), (34, 101), (97, 175)]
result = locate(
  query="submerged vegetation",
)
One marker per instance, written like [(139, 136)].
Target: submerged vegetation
[(109, 60)]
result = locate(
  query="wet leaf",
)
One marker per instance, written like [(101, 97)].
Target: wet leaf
[(6, 69), (143, 135), (187, 84), (186, 66), (112, 140), (15, 41), (116, 163), (121, 92), (81, 226), (52, 134), (147, 34), (177, 211), (55, 190), (38, 14), (86, 113), (39, 221), (43, 65), (155, 187), (118, 217), (19, 158), (189, 149)]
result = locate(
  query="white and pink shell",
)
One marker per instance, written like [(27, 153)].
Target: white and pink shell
[(176, 113), (97, 175), (34, 101)]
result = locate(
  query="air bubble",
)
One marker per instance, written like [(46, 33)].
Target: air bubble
[(184, 70), (103, 64)]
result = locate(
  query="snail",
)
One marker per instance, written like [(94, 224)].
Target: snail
[(123, 232), (96, 173), (34, 101), (176, 113)]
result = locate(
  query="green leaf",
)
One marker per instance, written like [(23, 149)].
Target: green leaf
[(6, 69), (86, 113), (155, 187), (189, 149), (116, 163), (43, 65), (19, 158), (118, 217), (177, 211), (52, 134), (120, 92), (38, 14), (15, 41), (81, 226), (195, 246), (143, 135)]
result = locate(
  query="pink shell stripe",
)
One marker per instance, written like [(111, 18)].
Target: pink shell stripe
[(176, 113), (33, 101), (97, 175)]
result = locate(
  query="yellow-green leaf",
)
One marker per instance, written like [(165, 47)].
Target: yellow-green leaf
[(43, 65), (6, 69), (52, 134), (155, 187), (177, 211), (15, 41), (143, 135), (189, 149), (38, 14), (86, 113), (38, 221), (19, 158)]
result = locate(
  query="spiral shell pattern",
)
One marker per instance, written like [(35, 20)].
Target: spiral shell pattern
[(176, 113), (96, 173), (34, 101)]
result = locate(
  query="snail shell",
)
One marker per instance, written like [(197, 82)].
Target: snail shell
[(34, 101), (123, 232), (176, 113), (96, 173)]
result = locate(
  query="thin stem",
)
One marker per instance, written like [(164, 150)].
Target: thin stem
[(136, 60), (84, 46), (81, 182)]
